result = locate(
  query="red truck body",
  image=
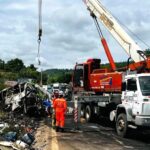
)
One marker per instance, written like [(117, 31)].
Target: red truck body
[(106, 82), (96, 79)]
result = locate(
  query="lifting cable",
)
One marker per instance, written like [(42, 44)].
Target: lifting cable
[(131, 32), (39, 29), (134, 34), (97, 25)]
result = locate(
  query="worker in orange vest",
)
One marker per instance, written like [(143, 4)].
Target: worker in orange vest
[(60, 107)]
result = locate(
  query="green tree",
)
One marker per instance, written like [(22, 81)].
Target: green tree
[(29, 73), (10, 76), (32, 67), (60, 77), (15, 65), (67, 77), (147, 52)]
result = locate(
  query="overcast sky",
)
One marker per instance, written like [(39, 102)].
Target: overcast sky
[(69, 35)]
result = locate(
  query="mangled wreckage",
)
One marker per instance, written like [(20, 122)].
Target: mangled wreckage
[(23, 96)]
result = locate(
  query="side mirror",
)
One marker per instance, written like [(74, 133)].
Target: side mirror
[(124, 86)]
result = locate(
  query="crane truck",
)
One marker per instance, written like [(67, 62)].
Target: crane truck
[(120, 94)]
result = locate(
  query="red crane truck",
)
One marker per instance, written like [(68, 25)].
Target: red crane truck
[(122, 95)]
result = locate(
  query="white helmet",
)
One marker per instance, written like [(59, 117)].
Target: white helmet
[(61, 93)]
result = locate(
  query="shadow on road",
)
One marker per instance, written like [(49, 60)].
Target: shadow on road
[(133, 134)]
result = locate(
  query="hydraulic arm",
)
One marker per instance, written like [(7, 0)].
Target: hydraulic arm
[(129, 45)]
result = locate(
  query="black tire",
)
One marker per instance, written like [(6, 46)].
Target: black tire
[(88, 113), (122, 125)]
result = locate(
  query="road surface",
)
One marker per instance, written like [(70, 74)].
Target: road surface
[(90, 136)]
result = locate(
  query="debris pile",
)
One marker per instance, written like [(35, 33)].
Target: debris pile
[(17, 105), (22, 96), (17, 132)]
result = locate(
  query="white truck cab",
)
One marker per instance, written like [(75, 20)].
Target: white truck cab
[(135, 106), (56, 87)]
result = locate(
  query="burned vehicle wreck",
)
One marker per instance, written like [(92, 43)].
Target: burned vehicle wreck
[(23, 97)]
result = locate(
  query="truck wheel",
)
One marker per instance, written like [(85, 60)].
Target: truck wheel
[(88, 113), (121, 125)]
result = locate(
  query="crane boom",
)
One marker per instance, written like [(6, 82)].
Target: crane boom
[(128, 44)]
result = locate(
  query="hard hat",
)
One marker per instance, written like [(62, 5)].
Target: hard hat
[(61, 93)]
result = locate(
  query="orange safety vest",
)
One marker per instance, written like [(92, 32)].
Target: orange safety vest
[(60, 105)]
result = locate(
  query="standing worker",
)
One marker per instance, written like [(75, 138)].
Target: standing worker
[(60, 107)]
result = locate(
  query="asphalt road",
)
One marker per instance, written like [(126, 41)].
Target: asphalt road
[(95, 136), (91, 136)]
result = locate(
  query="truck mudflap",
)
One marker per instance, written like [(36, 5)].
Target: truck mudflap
[(142, 121)]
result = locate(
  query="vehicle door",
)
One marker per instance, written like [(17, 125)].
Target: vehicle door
[(131, 95)]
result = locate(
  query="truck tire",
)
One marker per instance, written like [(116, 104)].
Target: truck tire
[(121, 125), (88, 113)]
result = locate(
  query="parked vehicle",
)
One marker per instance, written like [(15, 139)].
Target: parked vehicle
[(56, 87)]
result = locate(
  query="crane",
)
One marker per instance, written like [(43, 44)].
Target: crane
[(119, 95), (133, 50)]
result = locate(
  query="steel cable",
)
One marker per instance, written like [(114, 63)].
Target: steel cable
[(39, 29)]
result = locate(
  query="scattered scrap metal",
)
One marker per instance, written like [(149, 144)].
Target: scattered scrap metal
[(22, 96), (16, 129)]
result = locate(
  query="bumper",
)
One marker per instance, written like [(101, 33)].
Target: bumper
[(142, 121)]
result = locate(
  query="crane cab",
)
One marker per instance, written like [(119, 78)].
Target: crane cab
[(82, 72), (90, 77)]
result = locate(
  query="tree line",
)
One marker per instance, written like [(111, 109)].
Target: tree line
[(15, 69)]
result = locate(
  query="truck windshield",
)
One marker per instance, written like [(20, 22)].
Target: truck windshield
[(78, 75), (145, 85)]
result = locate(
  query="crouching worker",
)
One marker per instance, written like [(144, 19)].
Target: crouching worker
[(47, 105), (60, 107)]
